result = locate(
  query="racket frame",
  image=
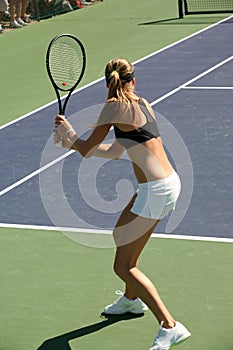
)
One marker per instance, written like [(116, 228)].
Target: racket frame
[(62, 108), (55, 86)]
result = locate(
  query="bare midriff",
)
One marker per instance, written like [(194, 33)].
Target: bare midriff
[(150, 161)]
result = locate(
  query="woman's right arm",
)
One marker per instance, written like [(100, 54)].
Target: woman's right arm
[(65, 132)]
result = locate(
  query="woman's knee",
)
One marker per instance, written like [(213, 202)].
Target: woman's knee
[(122, 268)]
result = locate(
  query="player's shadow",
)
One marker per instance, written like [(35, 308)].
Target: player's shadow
[(61, 342)]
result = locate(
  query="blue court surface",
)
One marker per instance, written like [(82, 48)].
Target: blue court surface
[(189, 84)]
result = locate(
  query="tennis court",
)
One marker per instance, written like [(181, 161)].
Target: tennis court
[(57, 209)]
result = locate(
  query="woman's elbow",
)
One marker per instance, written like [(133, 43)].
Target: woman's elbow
[(86, 153), (83, 151)]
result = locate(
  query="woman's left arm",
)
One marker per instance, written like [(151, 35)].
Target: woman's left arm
[(109, 150)]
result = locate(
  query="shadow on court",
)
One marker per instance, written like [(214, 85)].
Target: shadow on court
[(61, 342), (183, 21)]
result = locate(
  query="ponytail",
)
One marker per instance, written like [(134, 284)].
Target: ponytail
[(119, 73)]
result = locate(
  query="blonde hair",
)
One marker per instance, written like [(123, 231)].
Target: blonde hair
[(118, 74)]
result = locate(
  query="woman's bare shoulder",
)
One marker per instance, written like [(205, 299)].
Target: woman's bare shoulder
[(147, 104)]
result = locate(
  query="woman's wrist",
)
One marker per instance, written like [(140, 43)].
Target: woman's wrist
[(70, 137), (69, 131), (73, 138)]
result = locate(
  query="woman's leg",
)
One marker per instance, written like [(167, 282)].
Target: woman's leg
[(18, 8), (24, 9), (12, 10), (131, 234)]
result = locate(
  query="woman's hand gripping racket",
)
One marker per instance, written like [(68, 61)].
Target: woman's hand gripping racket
[(65, 63)]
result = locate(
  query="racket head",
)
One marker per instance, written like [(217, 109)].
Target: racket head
[(65, 62)]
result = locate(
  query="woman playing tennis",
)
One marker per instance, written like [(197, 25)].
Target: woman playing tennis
[(136, 132)]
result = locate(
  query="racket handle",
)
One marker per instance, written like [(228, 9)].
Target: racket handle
[(58, 145)]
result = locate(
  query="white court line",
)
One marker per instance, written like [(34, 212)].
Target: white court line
[(34, 173), (185, 85), (170, 93), (48, 104), (102, 78), (208, 87), (109, 232)]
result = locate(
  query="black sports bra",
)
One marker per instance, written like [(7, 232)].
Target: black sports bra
[(142, 134)]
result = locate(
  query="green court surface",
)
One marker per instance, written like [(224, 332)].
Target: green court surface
[(53, 289)]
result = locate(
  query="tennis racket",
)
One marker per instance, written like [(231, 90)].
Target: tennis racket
[(65, 63)]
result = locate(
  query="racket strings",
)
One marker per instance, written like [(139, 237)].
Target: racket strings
[(66, 62)]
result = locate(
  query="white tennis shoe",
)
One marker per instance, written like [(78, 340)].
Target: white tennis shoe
[(168, 337), (123, 305)]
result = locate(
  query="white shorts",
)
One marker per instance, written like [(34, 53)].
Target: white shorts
[(156, 199)]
